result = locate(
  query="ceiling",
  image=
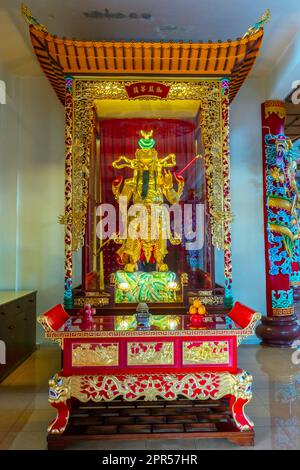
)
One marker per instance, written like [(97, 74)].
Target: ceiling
[(146, 20)]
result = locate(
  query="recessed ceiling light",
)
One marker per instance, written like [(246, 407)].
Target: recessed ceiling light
[(166, 28), (133, 15), (107, 14), (170, 28)]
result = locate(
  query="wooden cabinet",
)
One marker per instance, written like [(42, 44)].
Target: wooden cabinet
[(17, 328)]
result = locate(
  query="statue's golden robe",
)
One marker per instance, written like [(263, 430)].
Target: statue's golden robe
[(148, 188)]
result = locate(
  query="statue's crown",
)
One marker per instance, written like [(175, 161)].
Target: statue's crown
[(147, 134), (146, 141)]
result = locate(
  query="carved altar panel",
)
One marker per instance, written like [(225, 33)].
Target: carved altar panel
[(150, 353), (205, 352), (95, 354)]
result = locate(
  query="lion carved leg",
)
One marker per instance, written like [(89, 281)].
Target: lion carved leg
[(240, 395), (59, 424), (59, 398), (237, 407)]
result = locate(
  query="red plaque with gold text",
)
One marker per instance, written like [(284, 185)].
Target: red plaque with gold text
[(140, 89)]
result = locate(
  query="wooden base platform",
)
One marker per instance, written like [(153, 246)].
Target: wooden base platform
[(120, 420)]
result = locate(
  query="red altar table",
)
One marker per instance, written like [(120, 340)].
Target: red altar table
[(112, 358)]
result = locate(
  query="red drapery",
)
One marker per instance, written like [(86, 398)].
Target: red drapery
[(120, 137)]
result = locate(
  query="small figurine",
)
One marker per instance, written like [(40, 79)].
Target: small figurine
[(142, 316)]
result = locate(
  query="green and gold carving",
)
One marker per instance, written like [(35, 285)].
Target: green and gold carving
[(144, 287)]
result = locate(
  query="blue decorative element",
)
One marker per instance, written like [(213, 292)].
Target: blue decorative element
[(68, 295), (281, 208), (229, 323), (225, 83), (52, 393), (282, 298), (297, 251), (228, 297), (295, 277), (279, 257), (69, 84), (194, 258), (228, 287)]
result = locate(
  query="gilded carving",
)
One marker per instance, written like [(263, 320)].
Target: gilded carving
[(59, 389), (150, 387), (93, 301), (264, 19), (205, 352), (48, 330), (250, 329), (149, 353), (283, 312), (91, 354), (68, 218), (197, 386), (227, 215), (208, 299)]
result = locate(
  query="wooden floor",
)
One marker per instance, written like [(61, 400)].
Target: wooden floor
[(150, 420)]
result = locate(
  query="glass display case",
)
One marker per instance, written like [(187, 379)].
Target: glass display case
[(148, 231)]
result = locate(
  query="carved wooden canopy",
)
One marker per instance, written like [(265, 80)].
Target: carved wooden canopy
[(61, 57)]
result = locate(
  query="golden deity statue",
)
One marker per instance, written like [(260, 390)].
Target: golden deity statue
[(150, 184)]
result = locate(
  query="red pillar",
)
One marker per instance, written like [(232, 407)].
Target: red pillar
[(279, 327)]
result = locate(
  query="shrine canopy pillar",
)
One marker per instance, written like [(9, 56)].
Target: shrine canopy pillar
[(279, 328), (67, 219)]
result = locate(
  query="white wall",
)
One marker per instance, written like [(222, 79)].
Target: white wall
[(31, 189), (247, 198), (41, 170), (9, 138), (285, 72)]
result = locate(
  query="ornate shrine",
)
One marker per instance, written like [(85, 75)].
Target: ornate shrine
[(147, 202), (111, 92)]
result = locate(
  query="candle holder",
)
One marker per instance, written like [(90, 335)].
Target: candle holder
[(124, 288), (173, 287)]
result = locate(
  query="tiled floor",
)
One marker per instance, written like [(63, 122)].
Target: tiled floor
[(275, 409)]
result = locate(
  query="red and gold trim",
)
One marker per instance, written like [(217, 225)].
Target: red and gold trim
[(156, 353), (283, 312), (227, 215), (195, 386), (276, 107)]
